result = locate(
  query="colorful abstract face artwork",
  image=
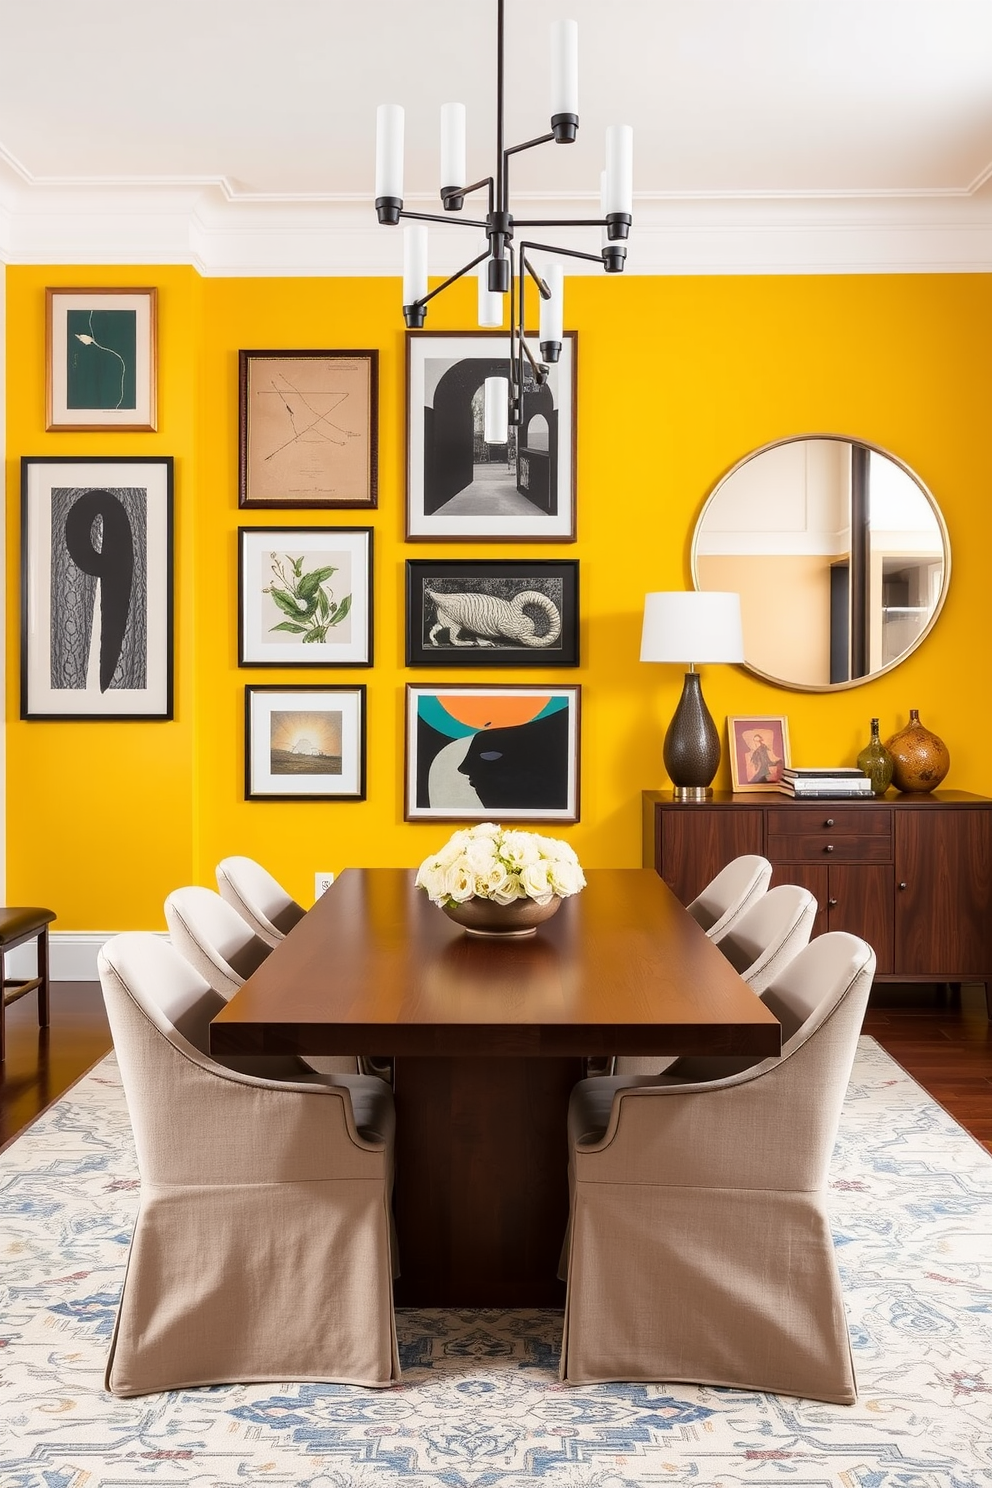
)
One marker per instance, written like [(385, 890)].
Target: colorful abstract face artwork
[(508, 753)]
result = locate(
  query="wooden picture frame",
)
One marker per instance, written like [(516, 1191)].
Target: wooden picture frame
[(100, 359), (759, 752), (305, 743), (308, 424), (458, 488), (498, 612), (305, 596), (492, 752), (96, 615)]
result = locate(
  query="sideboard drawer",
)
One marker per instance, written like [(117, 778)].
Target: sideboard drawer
[(828, 847), (864, 821)]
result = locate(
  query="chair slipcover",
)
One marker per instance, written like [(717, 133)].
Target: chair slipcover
[(222, 947), (759, 945), (259, 898), (698, 1246), (261, 1249), (733, 890)]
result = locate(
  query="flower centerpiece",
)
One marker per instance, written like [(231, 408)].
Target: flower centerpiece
[(494, 881)]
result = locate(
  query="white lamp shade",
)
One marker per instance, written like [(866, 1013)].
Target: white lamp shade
[(620, 169), (564, 67), (414, 262), (497, 410), (491, 303), (389, 150), (452, 145), (552, 310), (690, 627)]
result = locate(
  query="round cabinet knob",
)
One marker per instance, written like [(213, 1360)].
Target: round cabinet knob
[(904, 885), (829, 822), (829, 847), (831, 903)]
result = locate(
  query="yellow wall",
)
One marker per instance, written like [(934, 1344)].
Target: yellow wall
[(678, 378)]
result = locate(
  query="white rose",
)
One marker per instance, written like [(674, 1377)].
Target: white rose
[(459, 882), (480, 856), (566, 878), (486, 829), (431, 878), (534, 880), (520, 848), (508, 889)]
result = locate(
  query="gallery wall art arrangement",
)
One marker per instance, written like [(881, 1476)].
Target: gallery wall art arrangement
[(97, 602)]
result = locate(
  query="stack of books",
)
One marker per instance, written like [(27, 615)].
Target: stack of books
[(835, 780)]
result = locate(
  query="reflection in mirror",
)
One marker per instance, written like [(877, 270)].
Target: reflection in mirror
[(838, 552)]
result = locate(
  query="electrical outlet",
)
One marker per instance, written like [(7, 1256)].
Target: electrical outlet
[(321, 883)]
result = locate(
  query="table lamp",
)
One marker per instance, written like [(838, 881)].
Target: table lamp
[(690, 627)]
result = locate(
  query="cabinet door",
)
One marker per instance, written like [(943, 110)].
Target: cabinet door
[(943, 927), (697, 841), (859, 900), (812, 876)]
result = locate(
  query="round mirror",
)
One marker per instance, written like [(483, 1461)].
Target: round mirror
[(839, 553)]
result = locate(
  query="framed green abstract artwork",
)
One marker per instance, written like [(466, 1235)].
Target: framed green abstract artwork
[(100, 358)]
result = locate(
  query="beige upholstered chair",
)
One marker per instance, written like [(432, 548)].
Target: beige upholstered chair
[(726, 897), (259, 898), (223, 948), (262, 1246), (760, 944), (714, 1196)]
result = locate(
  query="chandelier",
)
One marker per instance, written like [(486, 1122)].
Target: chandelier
[(504, 266)]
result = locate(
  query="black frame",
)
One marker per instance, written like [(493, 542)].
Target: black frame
[(508, 578), (164, 558), (359, 689), (246, 535)]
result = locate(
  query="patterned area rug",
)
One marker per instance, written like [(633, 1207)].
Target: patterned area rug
[(480, 1405)]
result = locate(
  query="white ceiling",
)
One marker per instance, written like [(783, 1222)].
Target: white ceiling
[(239, 134)]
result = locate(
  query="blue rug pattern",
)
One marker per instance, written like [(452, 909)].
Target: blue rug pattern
[(479, 1405)]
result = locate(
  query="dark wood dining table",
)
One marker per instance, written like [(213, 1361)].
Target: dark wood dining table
[(488, 1038)]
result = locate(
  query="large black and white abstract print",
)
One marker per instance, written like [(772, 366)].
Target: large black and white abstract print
[(96, 588), (460, 487), (495, 613)]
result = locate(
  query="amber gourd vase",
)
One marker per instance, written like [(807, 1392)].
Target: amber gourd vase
[(921, 759)]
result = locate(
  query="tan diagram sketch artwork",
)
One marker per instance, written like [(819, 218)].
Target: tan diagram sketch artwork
[(308, 428)]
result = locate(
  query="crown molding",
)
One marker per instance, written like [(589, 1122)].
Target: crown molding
[(224, 234)]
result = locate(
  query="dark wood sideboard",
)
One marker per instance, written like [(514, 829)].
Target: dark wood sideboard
[(911, 874)]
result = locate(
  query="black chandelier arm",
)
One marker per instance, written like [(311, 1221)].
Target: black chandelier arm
[(454, 277), (541, 139), (525, 263), (434, 217), (559, 222), (451, 192), (563, 252)]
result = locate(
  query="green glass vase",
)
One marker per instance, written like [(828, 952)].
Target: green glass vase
[(876, 762)]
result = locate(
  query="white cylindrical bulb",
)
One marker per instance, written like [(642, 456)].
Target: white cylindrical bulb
[(414, 262), (389, 150), (604, 235), (490, 304), (552, 310), (452, 145), (497, 416), (564, 67), (620, 169)]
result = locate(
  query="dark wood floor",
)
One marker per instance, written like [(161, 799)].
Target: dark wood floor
[(943, 1040)]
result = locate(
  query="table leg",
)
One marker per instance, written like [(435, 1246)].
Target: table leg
[(481, 1180)]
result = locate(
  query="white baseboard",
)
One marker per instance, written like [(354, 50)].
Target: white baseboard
[(72, 953)]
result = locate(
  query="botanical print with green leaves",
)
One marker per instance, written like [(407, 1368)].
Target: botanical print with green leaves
[(306, 599)]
